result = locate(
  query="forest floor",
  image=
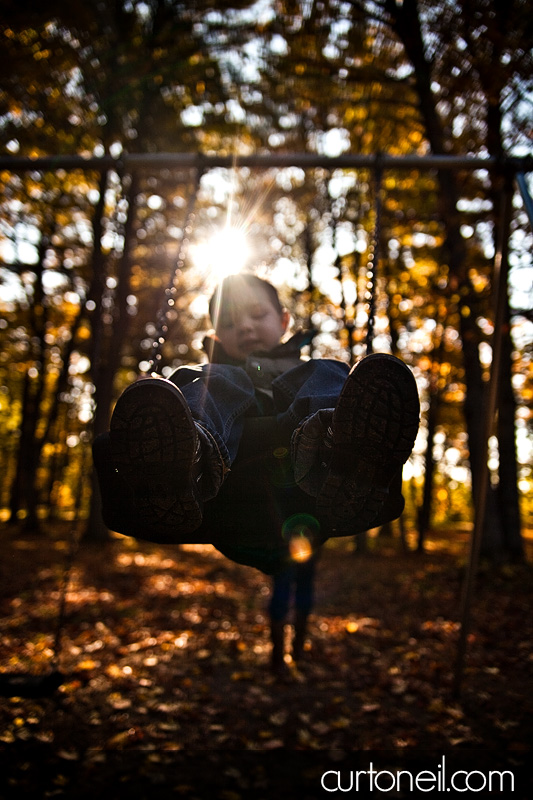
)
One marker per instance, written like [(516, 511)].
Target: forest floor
[(165, 686)]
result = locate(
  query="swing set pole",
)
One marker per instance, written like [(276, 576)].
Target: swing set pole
[(500, 279)]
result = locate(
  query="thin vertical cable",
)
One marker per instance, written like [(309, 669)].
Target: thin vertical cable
[(373, 260)]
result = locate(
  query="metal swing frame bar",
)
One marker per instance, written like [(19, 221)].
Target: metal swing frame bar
[(143, 161)]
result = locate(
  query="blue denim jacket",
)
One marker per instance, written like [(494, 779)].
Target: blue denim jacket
[(263, 368)]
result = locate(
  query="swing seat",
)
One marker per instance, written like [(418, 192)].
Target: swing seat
[(259, 518)]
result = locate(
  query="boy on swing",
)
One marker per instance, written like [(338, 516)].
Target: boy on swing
[(174, 440)]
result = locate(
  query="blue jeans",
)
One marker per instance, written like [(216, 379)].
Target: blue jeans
[(221, 396), (296, 581)]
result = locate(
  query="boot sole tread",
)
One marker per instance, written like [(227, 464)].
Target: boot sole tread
[(153, 445), (374, 429)]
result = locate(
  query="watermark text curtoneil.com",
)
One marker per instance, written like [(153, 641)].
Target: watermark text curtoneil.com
[(426, 780)]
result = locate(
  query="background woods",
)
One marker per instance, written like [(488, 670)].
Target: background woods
[(373, 160)]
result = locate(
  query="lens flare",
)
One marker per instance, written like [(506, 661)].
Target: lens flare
[(301, 532), (300, 549), (225, 253)]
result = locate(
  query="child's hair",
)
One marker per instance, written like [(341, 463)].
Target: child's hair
[(223, 298)]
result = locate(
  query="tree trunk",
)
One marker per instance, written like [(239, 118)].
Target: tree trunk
[(509, 500), (424, 512), (24, 490), (106, 356), (475, 410), (96, 530), (502, 187), (23, 498), (406, 24)]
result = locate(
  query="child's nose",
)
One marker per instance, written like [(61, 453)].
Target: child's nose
[(245, 323)]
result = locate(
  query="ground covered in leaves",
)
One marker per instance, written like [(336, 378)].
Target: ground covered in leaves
[(165, 686)]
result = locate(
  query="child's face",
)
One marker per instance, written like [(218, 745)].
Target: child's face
[(252, 325)]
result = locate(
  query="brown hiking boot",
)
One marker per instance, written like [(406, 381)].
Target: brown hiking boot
[(155, 447), (373, 430)]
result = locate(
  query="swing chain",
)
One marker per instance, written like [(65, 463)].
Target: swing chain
[(169, 300), (373, 261), (154, 364)]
